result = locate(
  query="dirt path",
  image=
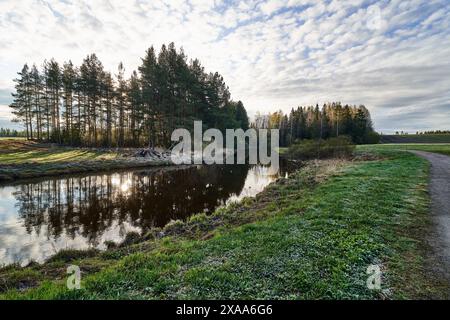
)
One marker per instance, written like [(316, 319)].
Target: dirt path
[(440, 210)]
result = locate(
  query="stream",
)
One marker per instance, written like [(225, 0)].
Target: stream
[(40, 217)]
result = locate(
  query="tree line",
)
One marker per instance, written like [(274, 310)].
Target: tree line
[(7, 132), (88, 106), (312, 122), (431, 132)]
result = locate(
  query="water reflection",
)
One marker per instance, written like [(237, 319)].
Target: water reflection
[(39, 218)]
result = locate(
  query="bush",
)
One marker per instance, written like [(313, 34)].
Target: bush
[(131, 237), (68, 255), (110, 244), (340, 147), (372, 138), (174, 227)]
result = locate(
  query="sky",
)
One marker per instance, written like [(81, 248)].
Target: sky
[(391, 56)]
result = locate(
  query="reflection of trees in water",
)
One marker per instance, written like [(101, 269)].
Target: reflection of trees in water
[(88, 206)]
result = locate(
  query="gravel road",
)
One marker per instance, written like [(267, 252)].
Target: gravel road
[(440, 210)]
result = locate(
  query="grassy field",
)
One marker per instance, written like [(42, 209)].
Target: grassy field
[(311, 236), (442, 148), (20, 151), (20, 159), (416, 138)]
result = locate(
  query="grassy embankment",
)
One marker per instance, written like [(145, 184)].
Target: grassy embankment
[(20, 158), (310, 236)]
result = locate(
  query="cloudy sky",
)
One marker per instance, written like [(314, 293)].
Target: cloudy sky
[(392, 56)]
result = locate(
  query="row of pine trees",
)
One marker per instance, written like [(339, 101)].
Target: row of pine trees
[(88, 106), (7, 132), (311, 122)]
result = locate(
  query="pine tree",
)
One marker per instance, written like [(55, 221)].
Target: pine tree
[(37, 92), (21, 106), (110, 110), (68, 85), (135, 108), (241, 116), (121, 104), (151, 95), (53, 80)]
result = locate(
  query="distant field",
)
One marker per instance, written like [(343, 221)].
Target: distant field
[(416, 138), (442, 148)]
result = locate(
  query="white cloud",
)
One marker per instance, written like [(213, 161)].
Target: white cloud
[(4, 112), (273, 54)]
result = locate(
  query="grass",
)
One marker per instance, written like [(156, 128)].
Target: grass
[(414, 138), (311, 236), (20, 159), (442, 148), (19, 151)]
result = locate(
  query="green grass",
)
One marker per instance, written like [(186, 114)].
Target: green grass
[(442, 148), (19, 151), (311, 236), (51, 156), (20, 159), (414, 138)]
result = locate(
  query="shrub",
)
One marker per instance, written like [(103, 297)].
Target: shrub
[(68, 255), (110, 244), (174, 227), (372, 138), (131, 237), (340, 147)]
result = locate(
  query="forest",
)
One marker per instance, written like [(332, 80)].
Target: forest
[(89, 106), (11, 133), (311, 122)]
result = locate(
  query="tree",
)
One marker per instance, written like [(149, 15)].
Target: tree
[(21, 106), (110, 110), (68, 85), (241, 116), (121, 104), (150, 93), (359, 129), (36, 94), (53, 79), (135, 108)]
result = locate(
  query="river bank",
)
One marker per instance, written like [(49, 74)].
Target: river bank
[(310, 236), (22, 159)]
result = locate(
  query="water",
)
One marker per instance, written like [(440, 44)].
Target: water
[(40, 217)]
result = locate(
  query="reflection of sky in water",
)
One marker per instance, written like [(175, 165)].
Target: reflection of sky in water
[(17, 245), (109, 206), (7, 205), (257, 179)]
